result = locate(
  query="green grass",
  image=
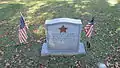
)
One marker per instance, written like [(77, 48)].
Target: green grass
[(107, 26)]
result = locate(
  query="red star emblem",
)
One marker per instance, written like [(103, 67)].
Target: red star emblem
[(62, 29)]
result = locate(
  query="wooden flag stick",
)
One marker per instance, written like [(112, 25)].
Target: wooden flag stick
[(21, 14)]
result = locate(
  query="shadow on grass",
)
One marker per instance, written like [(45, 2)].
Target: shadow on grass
[(7, 11)]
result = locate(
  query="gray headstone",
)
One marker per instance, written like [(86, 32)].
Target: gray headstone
[(63, 37)]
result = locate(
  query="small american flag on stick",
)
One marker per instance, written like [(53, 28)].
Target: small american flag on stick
[(22, 32), (89, 28)]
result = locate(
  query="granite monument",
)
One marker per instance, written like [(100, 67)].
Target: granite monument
[(63, 37)]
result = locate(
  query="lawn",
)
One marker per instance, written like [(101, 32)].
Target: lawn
[(104, 43)]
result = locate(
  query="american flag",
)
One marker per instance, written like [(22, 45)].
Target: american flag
[(22, 34), (89, 28)]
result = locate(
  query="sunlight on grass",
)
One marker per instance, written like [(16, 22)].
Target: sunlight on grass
[(118, 29), (85, 2), (43, 14), (112, 2), (17, 0), (29, 17), (4, 2), (86, 13), (36, 6), (80, 6)]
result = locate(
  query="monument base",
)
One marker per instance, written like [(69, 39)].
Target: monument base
[(45, 51)]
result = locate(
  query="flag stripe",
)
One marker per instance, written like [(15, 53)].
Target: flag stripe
[(88, 29), (24, 33), (19, 37), (22, 36), (90, 33)]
